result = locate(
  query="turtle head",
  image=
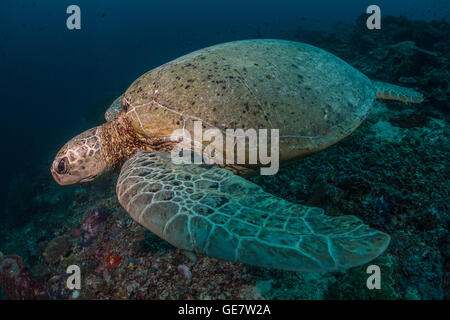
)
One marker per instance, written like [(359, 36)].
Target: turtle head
[(80, 160)]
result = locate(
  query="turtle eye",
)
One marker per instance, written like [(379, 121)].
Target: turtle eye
[(62, 166)]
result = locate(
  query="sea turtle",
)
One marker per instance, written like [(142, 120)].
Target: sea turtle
[(314, 98)]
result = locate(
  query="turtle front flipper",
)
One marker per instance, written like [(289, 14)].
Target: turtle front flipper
[(210, 210), (114, 109), (387, 91)]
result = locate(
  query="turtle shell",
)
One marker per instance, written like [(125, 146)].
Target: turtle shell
[(313, 97)]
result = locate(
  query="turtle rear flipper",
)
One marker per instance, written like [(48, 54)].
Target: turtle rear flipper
[(210, 210), (387, 91)]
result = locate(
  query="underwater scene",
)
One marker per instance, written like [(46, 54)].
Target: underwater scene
[(225, 150)]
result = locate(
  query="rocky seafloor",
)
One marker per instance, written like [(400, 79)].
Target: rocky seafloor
[(392, 173)]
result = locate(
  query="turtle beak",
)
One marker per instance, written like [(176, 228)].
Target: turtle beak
[(65, 179), (55, 176)]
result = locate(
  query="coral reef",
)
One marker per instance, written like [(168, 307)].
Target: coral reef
[(91, 225)]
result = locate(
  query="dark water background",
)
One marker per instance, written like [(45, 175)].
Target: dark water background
[(56, 83)]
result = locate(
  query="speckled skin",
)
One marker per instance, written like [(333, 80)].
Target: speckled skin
[(97, 150), (314, 98), (79, 159), (387, 91)]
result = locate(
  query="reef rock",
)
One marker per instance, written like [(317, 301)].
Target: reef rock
[(57, 248), (15, 280)]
